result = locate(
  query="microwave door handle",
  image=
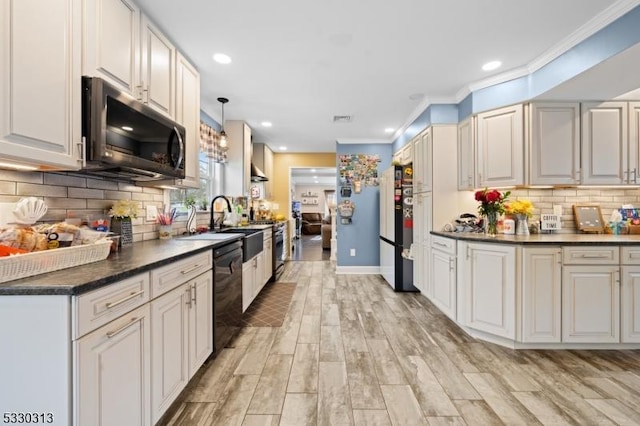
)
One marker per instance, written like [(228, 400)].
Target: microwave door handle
[(181, 143)]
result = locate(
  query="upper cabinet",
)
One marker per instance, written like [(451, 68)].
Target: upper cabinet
[(238, 167), (500, 142), (466, 154), (605, 144), (554, 150), (404, 154), (40, 83), (422, 166), (125, 48), (188, 114)]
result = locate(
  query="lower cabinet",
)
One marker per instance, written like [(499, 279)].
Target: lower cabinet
[(591, 304), (112, 372), (253, 279), (630, 307), (541, 295), (443, 281), (182, 339), (268, 259), (489, 287)]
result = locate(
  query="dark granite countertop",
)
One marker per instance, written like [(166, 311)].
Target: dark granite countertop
[(139, 257), (540, 239)]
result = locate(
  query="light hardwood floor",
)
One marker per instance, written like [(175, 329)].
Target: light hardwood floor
[(353, 352)]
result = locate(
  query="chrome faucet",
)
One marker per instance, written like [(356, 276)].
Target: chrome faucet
[(212, 222)]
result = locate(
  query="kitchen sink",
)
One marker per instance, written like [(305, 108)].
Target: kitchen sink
[(252, 242), (246, 231)]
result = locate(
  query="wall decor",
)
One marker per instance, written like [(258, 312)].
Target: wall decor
[(359, 167)]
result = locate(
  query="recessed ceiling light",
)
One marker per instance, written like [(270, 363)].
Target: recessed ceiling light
[(490, 66), (315, 181), (221, 58), (315, 177), (283, 148), (313, 170), (389, 130), (266, 124), (127, 128)]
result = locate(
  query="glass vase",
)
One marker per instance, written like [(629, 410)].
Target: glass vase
[(522, 224), (491, 226)]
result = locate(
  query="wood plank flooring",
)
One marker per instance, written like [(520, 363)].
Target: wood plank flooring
[(353, 352)]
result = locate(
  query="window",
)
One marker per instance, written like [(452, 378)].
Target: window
[(211, 184)]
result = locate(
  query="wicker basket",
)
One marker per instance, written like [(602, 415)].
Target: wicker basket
[(40, 262)]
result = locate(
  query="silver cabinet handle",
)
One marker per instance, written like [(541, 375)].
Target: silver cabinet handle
[(81, 150), (188, 301), (124, 299), (117, 331), (438, 243), (594, 256), (451, 267), (194, 295), (635, 175), (196, 266)]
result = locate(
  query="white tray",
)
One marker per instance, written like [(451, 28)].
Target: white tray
[(39, 262)]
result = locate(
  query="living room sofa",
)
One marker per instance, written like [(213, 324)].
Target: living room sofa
[(311, 223)]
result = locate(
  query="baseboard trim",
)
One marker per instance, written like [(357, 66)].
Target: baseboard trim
[(361, 270)]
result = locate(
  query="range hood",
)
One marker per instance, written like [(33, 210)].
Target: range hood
[(257, 175)]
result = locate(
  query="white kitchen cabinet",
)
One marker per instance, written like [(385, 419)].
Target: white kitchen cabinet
[(253, 279), (591, 304), (489, 287), (111, 42), (157, 68), (541, 308), (466, 155), (113, 372), (182, 338), (238, 168), (605, 143), (554, 151), (630, 306), (259, 280), (500, 143), (188, 114), (170, 339), (422, 241), (405, 154), (422, 165), (40, 83), (634, 143), (443, 277), (262, 158), (268, 257)]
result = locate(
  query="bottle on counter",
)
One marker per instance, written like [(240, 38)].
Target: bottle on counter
[(251, 214)]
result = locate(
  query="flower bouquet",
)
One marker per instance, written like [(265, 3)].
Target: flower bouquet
[(522, 210), (492, 205), (121, 214)]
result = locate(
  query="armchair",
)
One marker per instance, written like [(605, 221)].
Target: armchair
[(311, 223)]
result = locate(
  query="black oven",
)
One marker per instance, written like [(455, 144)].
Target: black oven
[(126, 138), (278, 250)]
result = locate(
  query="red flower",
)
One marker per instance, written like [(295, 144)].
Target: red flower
[(492, 196), (480, 196), (491, 201)]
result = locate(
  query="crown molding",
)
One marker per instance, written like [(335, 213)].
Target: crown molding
[(361, 141)]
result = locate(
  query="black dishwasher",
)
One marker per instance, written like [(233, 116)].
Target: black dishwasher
[(227, 298)]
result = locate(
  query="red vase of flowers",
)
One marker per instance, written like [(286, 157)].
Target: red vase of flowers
[(492, 205)]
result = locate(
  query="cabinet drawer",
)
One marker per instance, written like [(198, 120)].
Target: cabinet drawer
[(590, 255), (171, 276), (447, 245), (96, 308), (630, 255)]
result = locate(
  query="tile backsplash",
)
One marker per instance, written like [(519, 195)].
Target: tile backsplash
[(77, 195), (607, 198)]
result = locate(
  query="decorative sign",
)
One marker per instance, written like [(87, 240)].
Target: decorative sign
[(550, 222), (359, 167)]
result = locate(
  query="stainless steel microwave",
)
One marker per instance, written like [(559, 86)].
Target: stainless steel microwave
[(125, 138)]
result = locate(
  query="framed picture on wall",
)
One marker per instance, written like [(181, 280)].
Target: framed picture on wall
[(315, 201), (305, 201)]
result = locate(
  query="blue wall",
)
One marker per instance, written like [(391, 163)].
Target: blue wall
[(210, 121), (363, 233)]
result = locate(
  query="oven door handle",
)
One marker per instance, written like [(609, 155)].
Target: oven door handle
[(231, 267)]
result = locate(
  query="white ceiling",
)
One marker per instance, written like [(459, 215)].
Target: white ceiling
[(298, 63)]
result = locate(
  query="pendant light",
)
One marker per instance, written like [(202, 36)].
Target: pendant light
[(223, 135)]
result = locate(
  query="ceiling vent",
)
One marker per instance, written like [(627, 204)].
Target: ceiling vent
[(342, 119)]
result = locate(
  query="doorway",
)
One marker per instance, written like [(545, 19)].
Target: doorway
[(312, 196)]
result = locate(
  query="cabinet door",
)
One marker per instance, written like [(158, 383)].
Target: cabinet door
[(247, 284), (443, 270), (200, 321), (490, 292), (422, 162), (111, 42), (268, 259), (157, 64), (605, 143), (40, 83), (416, 246), (112, 372), (590, 304), (634, 142), (466, 155), (630, 309), (259, 280), (541, 295), (500, 147), (169, 339), (555, 143), (188, 114)]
